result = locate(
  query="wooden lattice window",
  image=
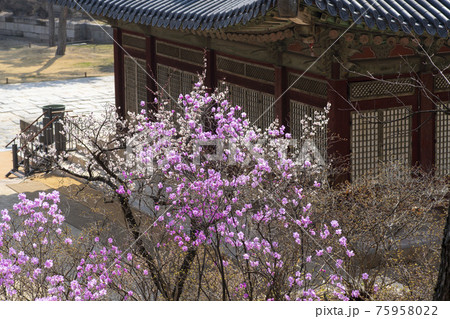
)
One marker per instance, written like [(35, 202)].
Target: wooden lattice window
[(135, 83), (442, 83), (258, 106), (179, 53), (174, 82), (388, 88), (443, 142), (133, 41), (249, 70), (397, 135), (379, 136), (302, 118), (307, 85), (364, 143)]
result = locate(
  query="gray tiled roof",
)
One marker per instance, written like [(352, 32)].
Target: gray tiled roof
[(431, 16), (419, 16), (176, 14)]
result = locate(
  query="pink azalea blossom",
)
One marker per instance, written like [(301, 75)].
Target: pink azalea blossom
[(334, 224), (48, 263), (343, 241)]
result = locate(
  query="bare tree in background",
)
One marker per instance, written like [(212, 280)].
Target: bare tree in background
[(442, 291), (62, 31), (51, 24)]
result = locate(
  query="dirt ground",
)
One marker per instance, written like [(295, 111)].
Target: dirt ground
[(22, 61), (5, 163)]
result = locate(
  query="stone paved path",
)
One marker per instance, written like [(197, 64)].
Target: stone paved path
[(26, 100)]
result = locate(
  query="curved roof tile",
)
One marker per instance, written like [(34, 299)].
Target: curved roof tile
[(430, 16)]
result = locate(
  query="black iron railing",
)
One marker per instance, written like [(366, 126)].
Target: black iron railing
[(30, 147)]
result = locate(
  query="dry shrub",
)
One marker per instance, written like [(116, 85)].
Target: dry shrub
[(393, 221)]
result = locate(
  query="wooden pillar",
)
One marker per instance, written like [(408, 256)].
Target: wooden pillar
[(415, 131), (151, 68), (282, 102), (339, 123), (427, 126), (119, 79), (211, 79)]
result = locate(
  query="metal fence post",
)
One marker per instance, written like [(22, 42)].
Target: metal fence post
[(15, 158), (52, 132)]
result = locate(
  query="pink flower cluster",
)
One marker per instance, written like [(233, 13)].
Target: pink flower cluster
[(35, 259), (238, 198)]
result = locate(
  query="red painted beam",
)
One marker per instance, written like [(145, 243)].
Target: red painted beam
[(427, 123), (211, 79), (339, 125), (180, 65), (119, 82), (151, 69), (384, 103), (245, 82), (134, 52), (307, 99), (281, 98)]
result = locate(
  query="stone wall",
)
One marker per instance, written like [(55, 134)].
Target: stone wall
[(37, 29)]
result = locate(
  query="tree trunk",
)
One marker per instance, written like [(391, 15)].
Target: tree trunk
[(442, 290), (51, 24), (133, 227), (62, 34)]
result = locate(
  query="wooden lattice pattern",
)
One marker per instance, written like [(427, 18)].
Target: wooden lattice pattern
[(180, 53), (260, 73), (303, 112), (442, 145), (167, 50), (388, 88), (364, 143), (442, 83), (258, 106), (230, 66), (307, 85), (397, 135), (251, 71), (174, 82), (135, 83), (134, 41), (379, 136)]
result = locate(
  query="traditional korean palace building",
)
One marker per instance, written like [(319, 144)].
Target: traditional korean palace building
[(382, 64)]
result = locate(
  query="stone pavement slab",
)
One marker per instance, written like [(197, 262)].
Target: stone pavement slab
[(25, 100), (6, 190), (29, 186)]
